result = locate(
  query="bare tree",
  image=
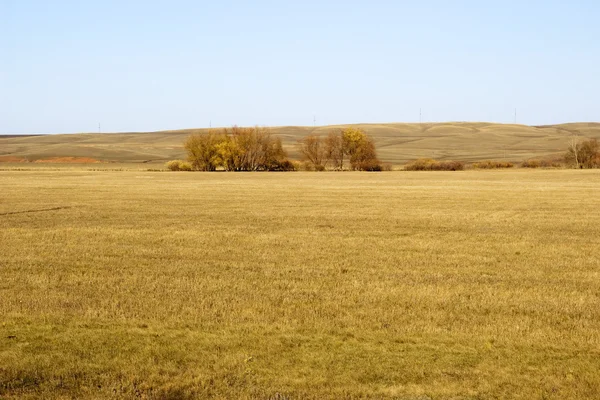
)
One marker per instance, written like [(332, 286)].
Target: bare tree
[(573, 153), (584, 154), (314, 150), (334, 149)]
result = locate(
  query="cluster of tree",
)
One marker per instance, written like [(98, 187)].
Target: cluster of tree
[(351, 143), (584, 154), (237, 149)]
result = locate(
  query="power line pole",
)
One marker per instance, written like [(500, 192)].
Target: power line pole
[(515, 116), (99, 128), (314, 121), (420, 116)]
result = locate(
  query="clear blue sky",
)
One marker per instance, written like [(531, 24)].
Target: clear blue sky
[(146, 65)]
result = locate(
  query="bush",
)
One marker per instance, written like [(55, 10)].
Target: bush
[(307, 166), (178, 165), (531, 164), (540, 164), (368, 165), (297, 165), (285, 165), (428, 164), (488, 164), (387, 167)]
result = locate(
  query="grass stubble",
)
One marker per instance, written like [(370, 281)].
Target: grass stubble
[(440, 285)]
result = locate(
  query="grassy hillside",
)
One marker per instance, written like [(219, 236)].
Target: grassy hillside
[(397, 143)]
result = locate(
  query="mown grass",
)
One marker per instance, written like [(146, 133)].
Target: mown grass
[(402, 285)]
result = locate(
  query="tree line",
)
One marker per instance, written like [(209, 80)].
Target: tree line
[(237, 149), (351, 144), (255, 149)]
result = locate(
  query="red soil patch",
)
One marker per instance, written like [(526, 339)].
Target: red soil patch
[(68, 160), (12, 159)]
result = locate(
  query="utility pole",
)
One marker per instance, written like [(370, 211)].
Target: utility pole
[(314, 121), (515, 116), (99, 128), (420, 116)]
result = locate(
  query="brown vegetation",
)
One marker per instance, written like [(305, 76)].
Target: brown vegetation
[(315, 151), (584, 154), (428, 164), (237, 149), (351, 142), (178, 165), (489, 164), (540, 164)]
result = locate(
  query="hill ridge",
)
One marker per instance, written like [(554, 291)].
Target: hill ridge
[(396, 142)]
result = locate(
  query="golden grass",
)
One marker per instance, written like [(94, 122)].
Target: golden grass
[(456, 285), (397, 143)]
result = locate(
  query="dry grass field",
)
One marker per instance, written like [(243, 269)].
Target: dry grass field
[(396, 143), (404, 285)]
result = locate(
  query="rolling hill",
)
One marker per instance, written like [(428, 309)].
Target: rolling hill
[(397, 143)]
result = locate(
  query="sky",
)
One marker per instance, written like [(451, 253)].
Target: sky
[(68, 66)]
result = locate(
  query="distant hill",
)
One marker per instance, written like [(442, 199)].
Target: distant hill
[(396, 142)]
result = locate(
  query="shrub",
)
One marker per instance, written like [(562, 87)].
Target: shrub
[(307, 166), (387, 167), (531, 164), (428, 164), (489, 164), (285, 165), (540, 164), (367, 165), (297, 165), (178, 165)]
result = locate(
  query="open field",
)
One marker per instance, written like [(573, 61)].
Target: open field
[(406, 285), (396, 143)]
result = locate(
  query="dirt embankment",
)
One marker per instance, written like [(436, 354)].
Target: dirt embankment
[(12, 159)]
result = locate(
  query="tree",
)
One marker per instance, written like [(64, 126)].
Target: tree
[(361, 150), (365, 157), (584, 154), (334, 149), (352, 139), (202, 150), (237, 149), (314, 150), (589, 155)]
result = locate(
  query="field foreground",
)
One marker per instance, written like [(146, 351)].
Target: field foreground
[(467, 285)]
